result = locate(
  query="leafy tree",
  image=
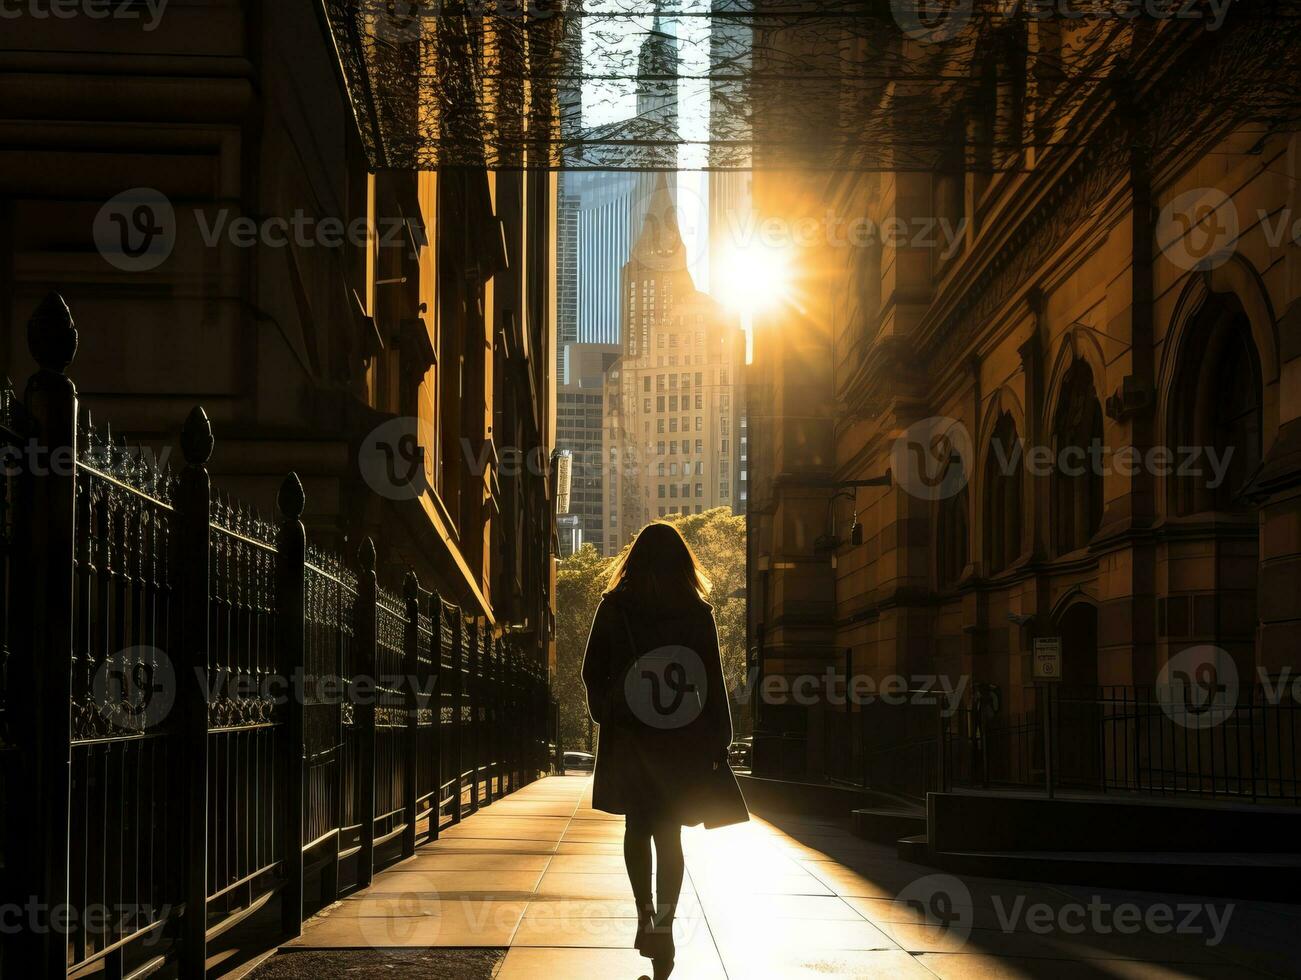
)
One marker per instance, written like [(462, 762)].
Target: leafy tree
[(718, 539), (580, 581)]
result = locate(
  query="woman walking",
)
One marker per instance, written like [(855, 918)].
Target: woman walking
[(655, 686)]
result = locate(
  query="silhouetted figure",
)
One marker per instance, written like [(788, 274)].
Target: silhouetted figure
[(655, 686)]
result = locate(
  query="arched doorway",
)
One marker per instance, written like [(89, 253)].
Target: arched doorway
[(1078, 716)]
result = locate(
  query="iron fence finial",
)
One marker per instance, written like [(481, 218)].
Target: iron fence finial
[(52, 334), (291, 500), (196, 437)]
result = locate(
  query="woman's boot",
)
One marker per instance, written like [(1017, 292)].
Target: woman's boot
[(645, 928)]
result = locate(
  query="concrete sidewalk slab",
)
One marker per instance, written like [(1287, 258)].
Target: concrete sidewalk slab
[(541, 874)]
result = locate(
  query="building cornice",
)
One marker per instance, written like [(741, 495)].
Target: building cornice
[(1079, 194)]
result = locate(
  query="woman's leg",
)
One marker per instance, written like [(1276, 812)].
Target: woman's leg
[(669, 871), (637, 859)]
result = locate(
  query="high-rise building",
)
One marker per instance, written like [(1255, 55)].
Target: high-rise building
[(658, 65), (580, 423), (568, 205), (672, 430), (569, 101), (601, 211), (731, 55), (606, 200)]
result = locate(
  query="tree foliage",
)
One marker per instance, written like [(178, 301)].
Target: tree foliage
[(718, 539)]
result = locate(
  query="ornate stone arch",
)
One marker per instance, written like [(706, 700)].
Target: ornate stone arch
[(1078, 343), (1239, 278), (1074, 617), (1239, 285), (1002, 402), (1074, 596), (1074, 499)]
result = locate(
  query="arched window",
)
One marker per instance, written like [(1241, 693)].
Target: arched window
[(1004, 475), (1077, 475), (951, 539), (1216, 412)]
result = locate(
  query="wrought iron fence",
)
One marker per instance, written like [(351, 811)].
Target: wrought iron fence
[(889, 747), (1148, 741), (243, 711), (1116, 740)]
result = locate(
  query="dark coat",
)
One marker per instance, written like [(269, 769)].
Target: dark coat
[(677, 773)]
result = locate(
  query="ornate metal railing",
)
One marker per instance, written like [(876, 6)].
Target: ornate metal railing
[(1171, 741), (123, 572), (243, 711), (1119, 740)]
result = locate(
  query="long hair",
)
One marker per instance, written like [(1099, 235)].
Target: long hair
[(659, 566)]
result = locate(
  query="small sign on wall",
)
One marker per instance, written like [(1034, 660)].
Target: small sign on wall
[(1048, 658)]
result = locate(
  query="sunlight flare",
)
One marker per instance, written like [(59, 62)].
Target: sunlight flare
[(755, 277)]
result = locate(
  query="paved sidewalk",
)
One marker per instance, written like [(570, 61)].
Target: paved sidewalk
[(542, 873)]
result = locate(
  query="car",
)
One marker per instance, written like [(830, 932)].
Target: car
[(579, 762), (739, 752)]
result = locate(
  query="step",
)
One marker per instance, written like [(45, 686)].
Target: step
[(1266, 877), (885, 825), (915, 848), (996, 822)]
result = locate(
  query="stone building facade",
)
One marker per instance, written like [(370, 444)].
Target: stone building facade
[(197, 189), (1115, 277)]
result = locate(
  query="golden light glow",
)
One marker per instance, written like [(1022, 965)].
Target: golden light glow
[(753, 278)]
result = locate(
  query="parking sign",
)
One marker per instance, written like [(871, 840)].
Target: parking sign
[(1048, 658)]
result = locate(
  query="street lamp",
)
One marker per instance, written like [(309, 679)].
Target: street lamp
[(829, 542)]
